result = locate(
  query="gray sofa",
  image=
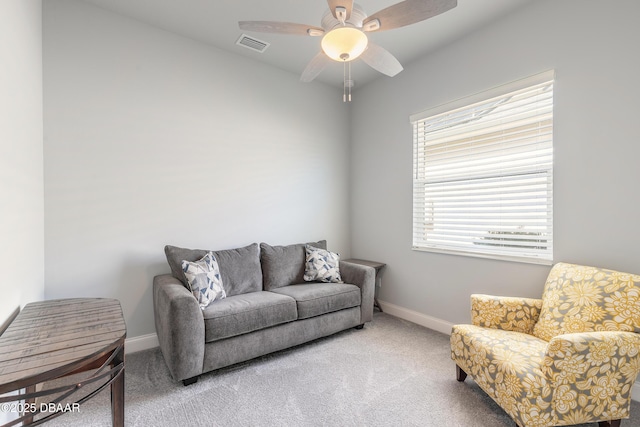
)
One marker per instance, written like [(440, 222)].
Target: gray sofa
[(269, 307)]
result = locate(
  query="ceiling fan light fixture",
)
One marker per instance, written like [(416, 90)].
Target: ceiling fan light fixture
[(344, 28), (344, 44)]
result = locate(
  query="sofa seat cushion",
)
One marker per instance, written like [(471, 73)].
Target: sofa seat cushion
[(240, 314), (315, 299)]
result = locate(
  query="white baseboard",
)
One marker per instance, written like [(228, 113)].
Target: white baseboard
[(416, 317), (143, 342), (445, 327)]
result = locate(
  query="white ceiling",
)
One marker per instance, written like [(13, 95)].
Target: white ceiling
[(215, 22)]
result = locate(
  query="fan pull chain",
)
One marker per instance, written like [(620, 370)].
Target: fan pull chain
[(344, 78), (347, 82)]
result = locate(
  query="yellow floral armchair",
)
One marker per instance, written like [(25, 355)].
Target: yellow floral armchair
[(569, 358)]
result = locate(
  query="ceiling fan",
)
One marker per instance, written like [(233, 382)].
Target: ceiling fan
[(343, 30)]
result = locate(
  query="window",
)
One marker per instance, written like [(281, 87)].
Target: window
[(483, 174)]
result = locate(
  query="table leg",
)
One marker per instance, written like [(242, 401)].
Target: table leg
[(117, 391), (31, 401), (378, 284)]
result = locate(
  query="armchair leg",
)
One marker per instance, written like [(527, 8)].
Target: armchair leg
[(612, 423), (461, 375)]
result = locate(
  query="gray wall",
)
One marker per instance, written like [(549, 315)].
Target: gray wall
[(154, 139), (596, 147), (21, 188)]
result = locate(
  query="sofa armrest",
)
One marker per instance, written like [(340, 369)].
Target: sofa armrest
[(506, 313), (180, 327), (592, 368), (365, 278)]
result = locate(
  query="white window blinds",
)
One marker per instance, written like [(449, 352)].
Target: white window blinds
[(482, 174)]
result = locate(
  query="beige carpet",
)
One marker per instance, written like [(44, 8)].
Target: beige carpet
[(391, 373)]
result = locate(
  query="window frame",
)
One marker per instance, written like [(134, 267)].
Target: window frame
[(501, 251)]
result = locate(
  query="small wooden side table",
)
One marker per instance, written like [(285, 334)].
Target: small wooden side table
[(378, 266), (56, 338)]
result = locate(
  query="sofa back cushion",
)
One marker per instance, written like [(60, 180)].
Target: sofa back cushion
[(284, 265), (239, 268), (578, 298)]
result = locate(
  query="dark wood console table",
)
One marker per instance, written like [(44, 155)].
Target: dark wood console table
[(56, 338), (378, 266)]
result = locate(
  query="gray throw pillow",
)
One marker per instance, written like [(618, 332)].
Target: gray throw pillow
[(284, 265)]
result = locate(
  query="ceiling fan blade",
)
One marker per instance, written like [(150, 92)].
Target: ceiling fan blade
[(381, 60), (281, 28), (347, 4), (315, 67), (407, 12)]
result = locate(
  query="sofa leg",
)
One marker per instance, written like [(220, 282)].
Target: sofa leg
[(190, 381), (360, 326), (461, 375), (612, 423)]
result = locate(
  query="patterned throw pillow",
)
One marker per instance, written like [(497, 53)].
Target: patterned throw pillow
[(322, 266), (203, 278)]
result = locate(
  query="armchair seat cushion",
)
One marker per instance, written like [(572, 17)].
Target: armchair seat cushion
[(314, 299), (240, 314)]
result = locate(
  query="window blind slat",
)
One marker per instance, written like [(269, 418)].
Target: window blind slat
[(521, 140), (478, 134)]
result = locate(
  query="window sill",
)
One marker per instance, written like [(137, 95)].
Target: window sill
[(510, 258)]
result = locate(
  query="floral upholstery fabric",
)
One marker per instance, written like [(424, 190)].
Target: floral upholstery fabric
[(579, 298), (506, 313), (592, 374), (507, 366), (576, 375)]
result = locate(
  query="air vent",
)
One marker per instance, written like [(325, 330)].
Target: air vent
[(252, 43)]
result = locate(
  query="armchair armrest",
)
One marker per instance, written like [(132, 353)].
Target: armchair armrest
[(506, 313), (365, 278), (593, 370), (180, 327)]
